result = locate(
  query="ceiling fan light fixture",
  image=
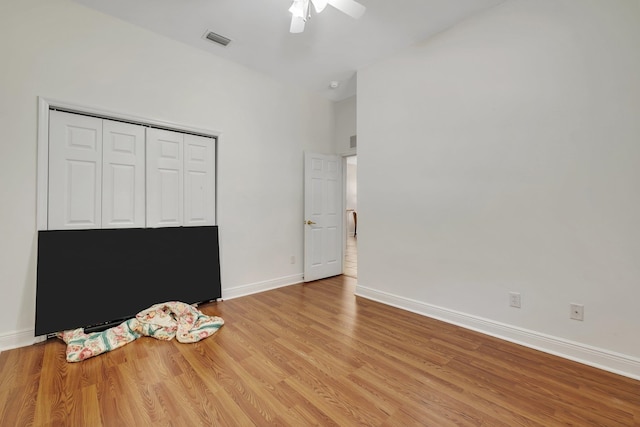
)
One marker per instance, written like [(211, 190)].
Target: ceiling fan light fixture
[(297, 25)]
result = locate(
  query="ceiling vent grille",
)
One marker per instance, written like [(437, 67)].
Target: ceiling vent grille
[(216, 38)]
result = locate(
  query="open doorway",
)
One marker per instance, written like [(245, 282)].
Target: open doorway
[(351, 220)]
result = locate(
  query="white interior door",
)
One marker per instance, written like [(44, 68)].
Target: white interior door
[(323, 216), (199, 181), (75, 165), (164, 178), (123, 176)]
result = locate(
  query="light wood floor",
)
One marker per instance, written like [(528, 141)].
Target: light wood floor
[(313, 354), (351, 257)]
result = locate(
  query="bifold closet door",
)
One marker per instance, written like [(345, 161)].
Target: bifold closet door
[(75, 171), (123, 175), (164, 178), (199, 181), (180, 179), (109, 174)]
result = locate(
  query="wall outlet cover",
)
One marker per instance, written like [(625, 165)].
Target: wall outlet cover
[(515, 299)]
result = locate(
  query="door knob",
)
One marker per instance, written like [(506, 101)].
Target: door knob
[(309, 222)]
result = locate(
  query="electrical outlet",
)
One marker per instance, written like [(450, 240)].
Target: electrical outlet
[(515, 299), (577, 312), (293, 259)]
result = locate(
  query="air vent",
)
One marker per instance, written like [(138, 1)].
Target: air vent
[(216, 38), (353, 141)]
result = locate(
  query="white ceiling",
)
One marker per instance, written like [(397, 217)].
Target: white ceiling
[(332, 47)]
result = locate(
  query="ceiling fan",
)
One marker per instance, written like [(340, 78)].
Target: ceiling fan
[(301, 11)]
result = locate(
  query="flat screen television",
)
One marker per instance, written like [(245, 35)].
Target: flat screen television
[(95, 279)]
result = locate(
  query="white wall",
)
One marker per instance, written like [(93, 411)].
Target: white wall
[(60, 50), (345, 124), (504, 155)]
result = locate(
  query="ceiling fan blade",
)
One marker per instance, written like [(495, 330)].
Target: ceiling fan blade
[(319, 5), (297, 25), (350, 7)]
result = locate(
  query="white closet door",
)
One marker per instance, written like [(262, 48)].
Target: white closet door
[(164, 178), (123, 187), (75, 165), (199, 177)]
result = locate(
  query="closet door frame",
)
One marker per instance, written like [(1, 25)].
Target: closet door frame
[(47, 104)]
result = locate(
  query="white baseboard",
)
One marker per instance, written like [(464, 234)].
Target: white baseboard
[(254, 288), (621, 364), (18, 339)]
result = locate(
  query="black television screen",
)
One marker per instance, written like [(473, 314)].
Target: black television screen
[(95, 279)]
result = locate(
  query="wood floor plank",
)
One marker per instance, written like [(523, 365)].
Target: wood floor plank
[(90, 413), (116, 400), (313, 354)]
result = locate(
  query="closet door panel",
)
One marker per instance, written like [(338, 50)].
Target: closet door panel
[(164, 178), (123, 188), (199, 175), (75, 165)]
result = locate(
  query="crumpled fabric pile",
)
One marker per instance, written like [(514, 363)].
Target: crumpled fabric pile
[(163, 321)]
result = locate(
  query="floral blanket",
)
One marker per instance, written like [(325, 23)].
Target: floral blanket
[(162, 321)]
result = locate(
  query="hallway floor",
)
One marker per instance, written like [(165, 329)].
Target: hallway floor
[(351, 257)]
